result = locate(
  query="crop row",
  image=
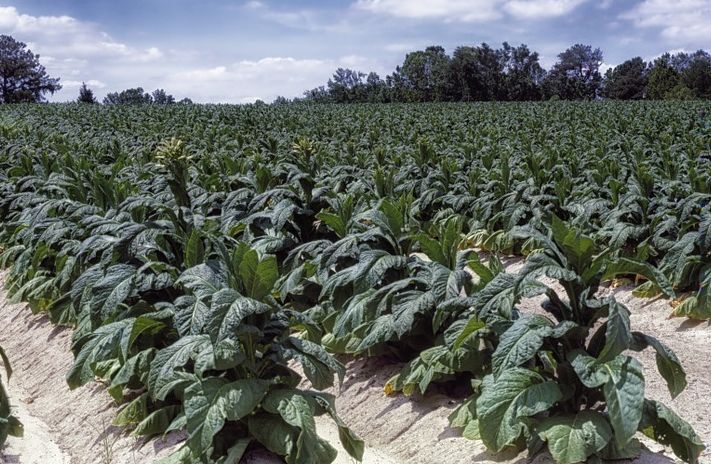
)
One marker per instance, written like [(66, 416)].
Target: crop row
[(201, 253)]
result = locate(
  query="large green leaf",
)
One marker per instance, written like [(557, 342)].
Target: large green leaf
[(467, 330), (624, 393), (6, 363), (298, 411), (693, 308), (663, 425), (354, 314), (578, 249), (506, 404), (258, 275), (202, 280), (228, 311), (157, 422), (497, 297), (573, 439), (406, 306), (371, 270), (273, 433), (668, 364), (9, 425), (162, 377), (103, 344), (465, 417), (622, 381), (194, 250), (318, 365), (335, 222), (521, 342), (133, 412), (626, 266), (541, 264), (190, 314), (221, 355), (211, 402), (113, 289), (433, 249), (378, 331), (349, 440), (618, 336)]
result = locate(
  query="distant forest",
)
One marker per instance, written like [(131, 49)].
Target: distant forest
[(472, 73), (483, 73)]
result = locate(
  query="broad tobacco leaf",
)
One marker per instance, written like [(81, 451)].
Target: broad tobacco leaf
[(297, 410), (572, 439), (521, 342), (211, 402), (622, 381), (507, 402), (663, 425)]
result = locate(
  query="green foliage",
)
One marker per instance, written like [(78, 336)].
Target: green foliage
[(206, 256), (628, 81), (679, 92), (86, 95), (136, 96), (23, 77), (562, 379), (482, 73), (165, 305), (576, 75)]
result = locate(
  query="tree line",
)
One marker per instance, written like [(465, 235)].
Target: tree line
[(483, 73), (472, 73), (137, 96), (23, 79)]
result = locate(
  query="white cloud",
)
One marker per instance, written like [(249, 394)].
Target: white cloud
[(681, 21), (79, 51), (304, 19), (64, 36), (448, 10), (401, 47), (470, 10), (265, 79), (147, 55), (254, 5), (605, 4), (91, 83), (605, 66), (358, 62), (537, 9), (247, 81)]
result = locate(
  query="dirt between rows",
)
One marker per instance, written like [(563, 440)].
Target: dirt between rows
[(73, 427)]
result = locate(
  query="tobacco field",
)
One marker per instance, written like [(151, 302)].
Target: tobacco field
[(209, 258)]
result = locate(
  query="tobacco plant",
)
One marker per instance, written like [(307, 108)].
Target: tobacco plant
[(561, 378), (201, 252)]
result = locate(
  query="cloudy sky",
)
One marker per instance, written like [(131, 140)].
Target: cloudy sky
[(238, 50)]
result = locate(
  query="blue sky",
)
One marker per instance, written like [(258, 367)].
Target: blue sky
[(239, 50)]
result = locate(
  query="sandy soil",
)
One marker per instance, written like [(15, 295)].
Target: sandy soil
[(72, 424), (36, 447), (415, 430), (78, 422), (690, 341), (687, 338), (74, 427)]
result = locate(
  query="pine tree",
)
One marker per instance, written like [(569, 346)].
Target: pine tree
[(86, 95), (22, 77)]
